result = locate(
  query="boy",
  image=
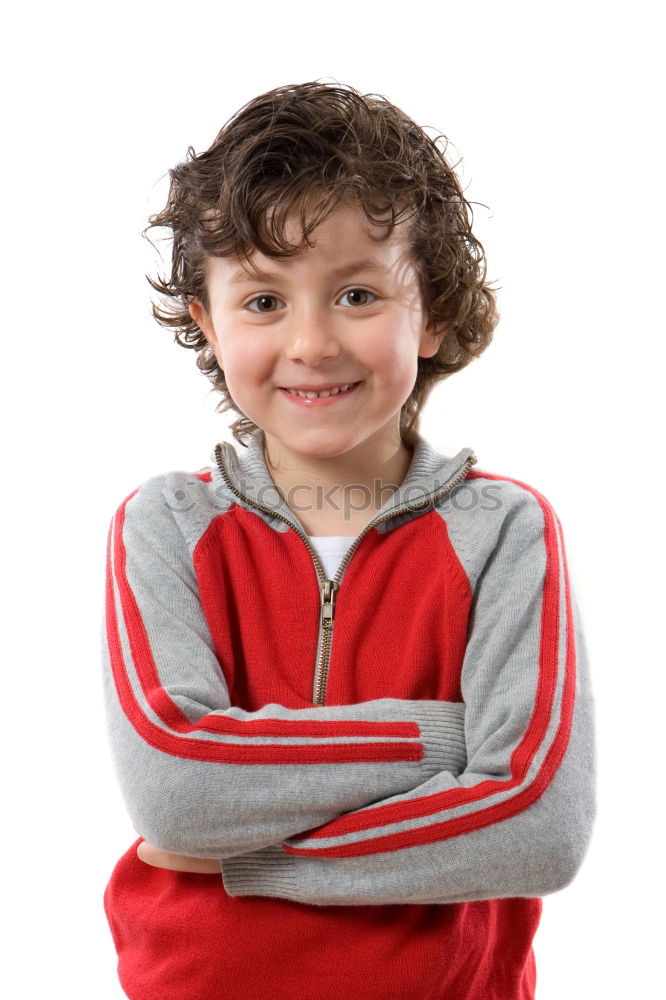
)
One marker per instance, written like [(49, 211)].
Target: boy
[(346, 683)]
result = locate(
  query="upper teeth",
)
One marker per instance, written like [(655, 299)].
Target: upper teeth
[(325, 392)]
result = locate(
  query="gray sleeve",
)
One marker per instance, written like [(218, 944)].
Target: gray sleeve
[(202, 777), (518, 820)]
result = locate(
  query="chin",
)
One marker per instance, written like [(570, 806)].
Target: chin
[(322, 444)]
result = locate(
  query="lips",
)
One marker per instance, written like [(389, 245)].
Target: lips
[(331, 398), (330, 390), (319, 388)]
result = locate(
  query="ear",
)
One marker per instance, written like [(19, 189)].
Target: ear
[(431, 339), (202, 318), (203, 321)]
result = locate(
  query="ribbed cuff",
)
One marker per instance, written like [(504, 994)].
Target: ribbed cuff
[(269, 872), (273, 872), (443, 737)]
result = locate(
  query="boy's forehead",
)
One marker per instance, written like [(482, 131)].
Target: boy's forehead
[(264, 267), (342, 245)]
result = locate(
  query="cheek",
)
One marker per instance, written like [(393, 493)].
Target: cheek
[(247, 367), (390, 346), (398, 364), (239, 354)]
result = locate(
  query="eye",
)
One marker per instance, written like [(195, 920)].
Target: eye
[(270, 298), (363, 291), (263, 298)]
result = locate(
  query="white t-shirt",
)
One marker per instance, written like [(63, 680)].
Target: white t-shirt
[(331, 550)]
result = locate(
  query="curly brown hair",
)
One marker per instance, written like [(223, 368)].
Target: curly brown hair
[(276, 154)]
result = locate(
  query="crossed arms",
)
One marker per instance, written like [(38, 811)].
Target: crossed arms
[(383, 801)]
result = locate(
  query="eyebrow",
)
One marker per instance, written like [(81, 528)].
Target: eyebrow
[(357, 265)]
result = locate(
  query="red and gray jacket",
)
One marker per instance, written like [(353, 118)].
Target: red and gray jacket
[(418, 730)]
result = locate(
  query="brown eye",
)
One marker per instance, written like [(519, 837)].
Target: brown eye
[(263, 299), (359, 291)]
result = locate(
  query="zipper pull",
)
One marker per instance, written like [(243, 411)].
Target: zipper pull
[(328, 590)]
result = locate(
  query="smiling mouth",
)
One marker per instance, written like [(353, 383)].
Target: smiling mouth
[(324, 394)]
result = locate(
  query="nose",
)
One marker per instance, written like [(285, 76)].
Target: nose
[(311, 338)]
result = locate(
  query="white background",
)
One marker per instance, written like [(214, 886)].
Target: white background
[(555, 110)]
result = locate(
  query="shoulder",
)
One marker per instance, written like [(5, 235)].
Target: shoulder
[(490, 511), (513, 496), (178, 502)]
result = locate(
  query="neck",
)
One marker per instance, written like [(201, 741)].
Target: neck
[(350, 487)]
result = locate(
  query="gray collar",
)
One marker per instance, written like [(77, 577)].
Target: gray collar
[(245, 474)]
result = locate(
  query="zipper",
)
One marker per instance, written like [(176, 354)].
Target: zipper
[(329, 588)]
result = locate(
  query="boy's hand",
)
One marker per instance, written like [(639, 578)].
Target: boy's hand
[(176, 862)]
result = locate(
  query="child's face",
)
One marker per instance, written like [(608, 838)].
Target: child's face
[(308, 325)]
